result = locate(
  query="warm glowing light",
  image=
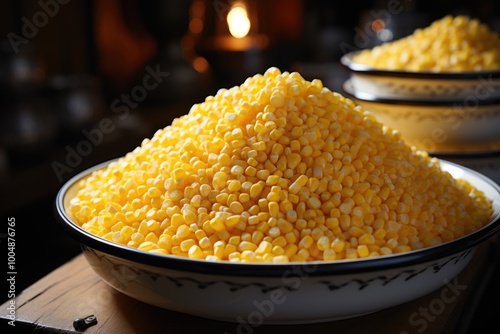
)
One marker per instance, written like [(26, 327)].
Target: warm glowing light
[(238, 21), (378, 25), (196, 25), (200, 64)]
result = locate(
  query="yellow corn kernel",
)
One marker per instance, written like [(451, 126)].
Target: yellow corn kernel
[(257, 237), (247, 245), (236, 207), (362, 251), (165, 242), (338, 245), (291, 216), (281, 259), (329, 255), (200, 234), (147, 246), (323, 243), (264, 248), (291, 238), (195, 252), (186, 244), (402, 249), (366, 239), (306, 242), (298, 184), (290, 250), (152, 237), (255, 190), (204, 243), (183, 231), (277, 250), (217, 224), (280, 241), (234, 240), (274, 232), (253, 220), (274, 209), (235, 257), (232, 221), (284, 226), (248, 256), (351, 253), (391, 244)]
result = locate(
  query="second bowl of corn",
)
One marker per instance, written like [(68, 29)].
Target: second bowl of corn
[(441, 83)]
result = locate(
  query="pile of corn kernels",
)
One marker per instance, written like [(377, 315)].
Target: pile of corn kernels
[(278, 169), (451, 44)]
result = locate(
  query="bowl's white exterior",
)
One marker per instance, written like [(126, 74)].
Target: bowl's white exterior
[(440, 127), (296, 297), (406, 88)]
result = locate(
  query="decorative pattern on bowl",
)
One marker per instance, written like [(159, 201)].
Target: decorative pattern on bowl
[(296, 297)]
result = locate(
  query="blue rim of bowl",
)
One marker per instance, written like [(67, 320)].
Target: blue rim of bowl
[(225, 268), (351, 93), (347, 61)]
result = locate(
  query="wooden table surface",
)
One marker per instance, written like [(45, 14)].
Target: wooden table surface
[(75, 291)]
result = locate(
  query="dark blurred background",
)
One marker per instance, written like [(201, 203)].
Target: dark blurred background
[(83, 82)]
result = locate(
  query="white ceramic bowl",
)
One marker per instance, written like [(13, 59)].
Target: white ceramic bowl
[(436, 126), (461, 87), (279, 293)]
